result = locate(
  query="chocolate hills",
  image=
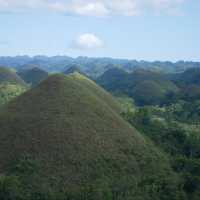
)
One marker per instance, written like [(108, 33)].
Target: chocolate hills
[(7, 75), (65, 139), (72, 69), (33, 76), (139, 85)]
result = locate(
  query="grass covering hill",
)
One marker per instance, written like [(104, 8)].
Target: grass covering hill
[(153, 92), (146, 87), (149, 93), (64, 140), (115, 80), (33, 76), (189, 77), (189, 82), (10, 91), (11, 85), (7, 75)]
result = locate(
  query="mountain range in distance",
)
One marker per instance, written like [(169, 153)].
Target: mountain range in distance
[(93, 67)]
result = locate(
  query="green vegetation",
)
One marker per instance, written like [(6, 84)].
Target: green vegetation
[(11, 85), (33, 76), (69, 139), (150, 93), (65, 139), (146, 87), (180, 141), (72, 69), (10, 91), (126, 103), (9, 76)]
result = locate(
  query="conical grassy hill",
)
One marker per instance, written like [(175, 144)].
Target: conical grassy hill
[(65, 139)]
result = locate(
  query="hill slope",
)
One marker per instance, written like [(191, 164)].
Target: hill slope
[(139, 85), (72, 69), (9, 76), (33, 76), (9, 92), (11, 85), (62, 136)]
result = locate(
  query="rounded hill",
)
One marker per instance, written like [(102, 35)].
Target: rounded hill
[(66, 135), (33, 76), (8, 75), (72, 69)]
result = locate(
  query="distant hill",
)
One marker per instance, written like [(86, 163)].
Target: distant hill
[(8, 75), (65, 139), (148, 93), (33, 76), (28, 67), (189, 82), (190, 76), (145, 86), (114, 79), (94, 67), (72, 69)]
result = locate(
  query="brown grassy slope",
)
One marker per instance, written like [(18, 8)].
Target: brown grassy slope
[(76, 136)]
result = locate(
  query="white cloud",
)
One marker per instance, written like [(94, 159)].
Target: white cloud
[(93, 7), (125, 7), (164, 4), (90, 8), (87, 41), (19, 5)]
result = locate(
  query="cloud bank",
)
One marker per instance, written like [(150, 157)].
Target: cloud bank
[(93, 7)]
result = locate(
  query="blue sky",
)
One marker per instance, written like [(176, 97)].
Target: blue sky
[(135, 29)]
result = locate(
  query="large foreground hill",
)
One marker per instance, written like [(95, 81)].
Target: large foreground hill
[(65, 139)]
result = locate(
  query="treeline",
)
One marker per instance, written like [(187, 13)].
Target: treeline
[(182, 145)]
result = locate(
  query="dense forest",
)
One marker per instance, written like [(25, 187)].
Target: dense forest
[(99, 129)]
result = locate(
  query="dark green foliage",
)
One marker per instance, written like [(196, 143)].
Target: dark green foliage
[(184, 111), (10, 188), (144, 86), (149, 93), (114, 80), (189, 82), (189, 77), (182, 146), (150, 87), (33, 76)]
